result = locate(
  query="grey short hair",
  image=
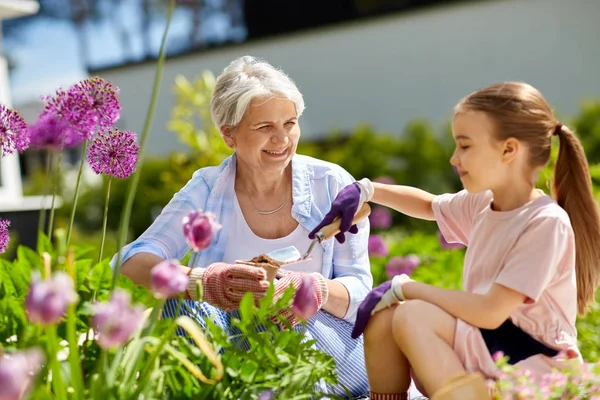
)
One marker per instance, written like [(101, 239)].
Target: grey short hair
[(243, 80)]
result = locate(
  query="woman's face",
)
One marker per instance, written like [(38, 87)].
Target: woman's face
[(267, 136)]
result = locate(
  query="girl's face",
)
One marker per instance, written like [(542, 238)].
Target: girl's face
[(482, 161)]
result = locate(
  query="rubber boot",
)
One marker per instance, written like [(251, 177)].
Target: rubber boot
[(464, 387)]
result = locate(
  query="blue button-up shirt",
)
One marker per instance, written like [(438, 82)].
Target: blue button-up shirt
[(315, 185)]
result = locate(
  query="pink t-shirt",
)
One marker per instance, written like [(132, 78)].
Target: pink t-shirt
[(530, 249)]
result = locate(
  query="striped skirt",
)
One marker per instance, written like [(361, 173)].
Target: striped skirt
[(332, 335)]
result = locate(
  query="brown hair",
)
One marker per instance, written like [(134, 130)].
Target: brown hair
[(520, 111)]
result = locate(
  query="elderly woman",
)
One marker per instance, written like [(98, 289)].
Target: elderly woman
[(266, 197)]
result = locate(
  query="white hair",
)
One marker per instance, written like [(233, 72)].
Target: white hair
[(243, 80)]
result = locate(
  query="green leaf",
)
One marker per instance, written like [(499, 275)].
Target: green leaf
[(247, 307)]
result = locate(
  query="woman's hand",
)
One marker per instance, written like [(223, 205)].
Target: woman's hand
[(224, 285), (286, 278), (345, 205), (383, 296)]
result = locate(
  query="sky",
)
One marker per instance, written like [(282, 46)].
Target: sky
[(46, 55)]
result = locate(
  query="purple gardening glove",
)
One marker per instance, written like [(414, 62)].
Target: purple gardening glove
[(345, 205), (383, 296)]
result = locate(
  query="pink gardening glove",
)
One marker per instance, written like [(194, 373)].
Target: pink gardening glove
[(287, 278), (224, 285)]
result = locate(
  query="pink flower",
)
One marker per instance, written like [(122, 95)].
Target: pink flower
[(52, 132), (114, 153), (47, 300), (377, 247), (4, 236), (402, 265), (13, 132), (380, 218), (446, 245), (167, 279), (199, 229), (116, 321), (305, 302), (17, 371)]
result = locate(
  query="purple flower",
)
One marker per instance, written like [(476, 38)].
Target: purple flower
[(87, 106), (114, 153), (13, 132), (446, 245), (199, 228), (267, 395), (305, 302), (402, 265), (52, 132), (47, 300), (388, 180), (167, 279), (380, 218), (377, 247), (17, 371), (4, 236), (116, 321)]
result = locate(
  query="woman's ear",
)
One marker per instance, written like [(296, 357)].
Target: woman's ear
[(510, 149), (227, 133)]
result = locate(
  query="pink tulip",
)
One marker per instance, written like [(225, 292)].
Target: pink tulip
[(47, 300), (199, 228), (116, 321), (17, 371), (167, 280), (305, 303)]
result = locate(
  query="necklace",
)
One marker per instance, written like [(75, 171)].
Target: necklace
[(273, 211)]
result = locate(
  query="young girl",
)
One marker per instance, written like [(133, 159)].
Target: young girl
[(531, 265)]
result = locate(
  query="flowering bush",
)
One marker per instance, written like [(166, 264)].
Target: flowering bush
[(575, 381), (69, 331)]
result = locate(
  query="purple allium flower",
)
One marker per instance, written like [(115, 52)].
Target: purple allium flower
[(13, 132), (199, 228), (52, 132), (114, 153), (377, 247), (116, 321), (89, 105), (402, 265), (446, 245), (388, 180), (267, 395), (4, 236), (380, 218), (47, 300), (167, 279), (17, 371), (305, 302)]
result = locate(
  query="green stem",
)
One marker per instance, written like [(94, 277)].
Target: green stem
[(74, 362), (76, 195), (56, 181), (105, 219), (57, 380), (42, 217), (126, 215)]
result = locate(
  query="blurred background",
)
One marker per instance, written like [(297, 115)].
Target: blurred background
[(379, 77)]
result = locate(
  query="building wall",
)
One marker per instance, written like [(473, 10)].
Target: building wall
[(389, 70)]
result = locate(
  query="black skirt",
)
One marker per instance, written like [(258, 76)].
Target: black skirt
[(515, 343)]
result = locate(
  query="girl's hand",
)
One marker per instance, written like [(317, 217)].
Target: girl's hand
[(383, 296)]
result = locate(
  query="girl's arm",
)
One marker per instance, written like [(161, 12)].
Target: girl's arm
[(486, 311), (408, 200)]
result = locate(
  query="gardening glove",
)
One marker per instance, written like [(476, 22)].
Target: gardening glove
[(311, 294), (383, 296), (346, 203), (224, 285)]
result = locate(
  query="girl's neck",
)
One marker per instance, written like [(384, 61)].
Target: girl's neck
[(512, 197)]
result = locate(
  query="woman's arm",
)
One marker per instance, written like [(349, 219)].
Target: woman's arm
[(486, 311), (338, 300), (408, 200)]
